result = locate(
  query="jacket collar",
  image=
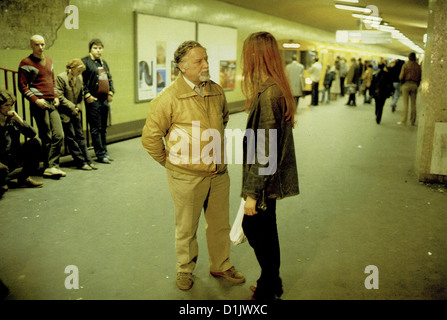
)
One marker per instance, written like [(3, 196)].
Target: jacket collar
[(91, 57), (268, 83), (185, 91)]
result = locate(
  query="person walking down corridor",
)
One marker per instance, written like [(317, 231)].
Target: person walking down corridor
[(395, 69), (381, 88), (352, 80), (315, 75), (327, 84), (343, 74), (271, 110), (366, 83), (410, 77), (194, 104), (295, 77)]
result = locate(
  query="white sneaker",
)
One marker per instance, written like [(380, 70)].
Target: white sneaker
[(52, 172), (63, 173)]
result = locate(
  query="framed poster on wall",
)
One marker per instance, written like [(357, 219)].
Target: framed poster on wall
[(156, 39)]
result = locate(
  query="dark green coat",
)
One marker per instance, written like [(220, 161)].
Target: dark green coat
[(281, 179)]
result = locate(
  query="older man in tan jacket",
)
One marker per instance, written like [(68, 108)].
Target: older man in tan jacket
[(184, 132)]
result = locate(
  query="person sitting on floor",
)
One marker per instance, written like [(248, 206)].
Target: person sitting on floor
[(14, 154)]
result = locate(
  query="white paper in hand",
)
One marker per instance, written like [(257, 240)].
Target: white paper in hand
[(237, 235)]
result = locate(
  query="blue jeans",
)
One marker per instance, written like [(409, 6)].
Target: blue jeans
[(97, 116), (367, 96), (396, 94), (328, 90)]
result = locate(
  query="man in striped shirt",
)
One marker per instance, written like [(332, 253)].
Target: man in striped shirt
[(36, 83)]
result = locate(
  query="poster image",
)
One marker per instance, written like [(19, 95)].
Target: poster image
[(161, 54), (227, 74), (174, 70), (161, 80), (145, 79)]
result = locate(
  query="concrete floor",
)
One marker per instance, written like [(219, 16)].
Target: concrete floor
[(361, 205)]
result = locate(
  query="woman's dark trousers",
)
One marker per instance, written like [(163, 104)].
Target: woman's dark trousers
[(262, 235)]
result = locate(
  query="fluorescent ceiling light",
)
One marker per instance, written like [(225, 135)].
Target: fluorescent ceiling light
[(375, 21), (353, 8), (374, 24), (365, 17), (396, 34), (385, 28), (291, 45)]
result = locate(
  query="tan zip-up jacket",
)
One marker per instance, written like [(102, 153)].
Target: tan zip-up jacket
[(178, 117)]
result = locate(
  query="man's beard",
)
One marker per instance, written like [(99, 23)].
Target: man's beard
[(204, 75)]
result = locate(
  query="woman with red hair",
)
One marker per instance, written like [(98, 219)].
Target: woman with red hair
[(271, 109)]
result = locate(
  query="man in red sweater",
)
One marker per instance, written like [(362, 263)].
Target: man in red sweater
[(36, 83)]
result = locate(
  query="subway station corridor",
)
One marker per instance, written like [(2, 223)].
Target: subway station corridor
[(360, 205)]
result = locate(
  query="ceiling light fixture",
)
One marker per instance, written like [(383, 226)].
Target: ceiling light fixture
[(376, 22), (365, 17), (396, 34), (353, 8), (291, 45), (386, 28)]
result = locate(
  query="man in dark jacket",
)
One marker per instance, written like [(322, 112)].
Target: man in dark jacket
[(352, 80), (98, 93), (394, 70), (13, 154), (381, 88)]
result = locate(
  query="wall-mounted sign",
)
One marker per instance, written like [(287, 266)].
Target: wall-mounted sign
[(360, 36)]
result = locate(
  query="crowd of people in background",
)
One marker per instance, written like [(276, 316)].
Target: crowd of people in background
[(374, 80)]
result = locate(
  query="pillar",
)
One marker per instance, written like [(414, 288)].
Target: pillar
[(431, 148)]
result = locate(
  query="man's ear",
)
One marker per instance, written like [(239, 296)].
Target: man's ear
[(181, 66)]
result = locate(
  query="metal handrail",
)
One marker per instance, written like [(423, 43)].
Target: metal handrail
[(12, 75), (24, 112)]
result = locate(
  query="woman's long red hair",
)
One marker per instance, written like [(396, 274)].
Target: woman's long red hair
[(261, 57)]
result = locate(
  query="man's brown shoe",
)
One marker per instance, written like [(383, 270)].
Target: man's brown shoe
[(3, 189), (231, 275), (30, 183), (184, 280)]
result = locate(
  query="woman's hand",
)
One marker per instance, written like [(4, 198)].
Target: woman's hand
[(250, 206)]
